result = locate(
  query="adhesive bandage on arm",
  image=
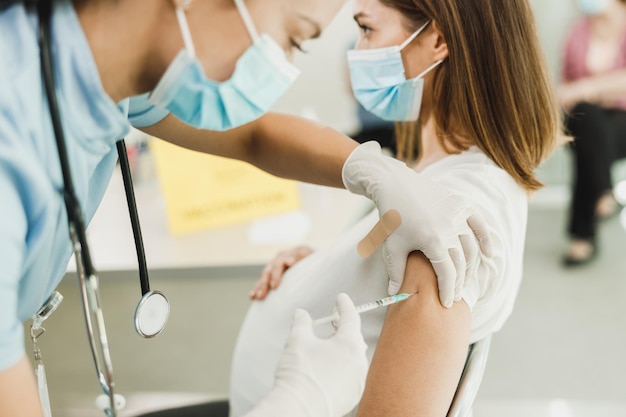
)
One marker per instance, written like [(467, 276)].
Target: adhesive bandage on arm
[(387, 224)]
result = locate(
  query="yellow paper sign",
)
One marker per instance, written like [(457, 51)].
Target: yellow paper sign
[(205, 191)]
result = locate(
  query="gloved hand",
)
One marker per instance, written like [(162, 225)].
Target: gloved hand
[(319, 377), (433, 221)]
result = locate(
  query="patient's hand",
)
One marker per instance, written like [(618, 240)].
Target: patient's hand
[(272, 274)]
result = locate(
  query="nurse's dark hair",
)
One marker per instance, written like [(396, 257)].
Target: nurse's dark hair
[(494, 89)]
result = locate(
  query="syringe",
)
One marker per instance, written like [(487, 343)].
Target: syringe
[(365, 307)]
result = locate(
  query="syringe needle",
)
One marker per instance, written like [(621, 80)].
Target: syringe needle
[(362, 308)]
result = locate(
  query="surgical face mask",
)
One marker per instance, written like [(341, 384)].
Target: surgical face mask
[(593, 7), (262, 75), (379, 82)]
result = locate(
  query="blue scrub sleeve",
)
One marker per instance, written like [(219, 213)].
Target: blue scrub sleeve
[(142, 113), (13, 226)]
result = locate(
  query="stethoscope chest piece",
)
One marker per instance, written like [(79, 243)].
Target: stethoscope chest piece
[(151, 314)]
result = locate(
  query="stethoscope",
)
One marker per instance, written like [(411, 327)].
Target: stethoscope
[(153, 309)]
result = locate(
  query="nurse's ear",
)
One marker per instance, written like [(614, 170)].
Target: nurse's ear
[(438, 42)]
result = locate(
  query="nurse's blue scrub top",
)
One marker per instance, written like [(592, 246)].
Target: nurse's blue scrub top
[(34, 240)]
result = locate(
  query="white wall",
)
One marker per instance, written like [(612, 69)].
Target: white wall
[(322, 88), (553, 20)]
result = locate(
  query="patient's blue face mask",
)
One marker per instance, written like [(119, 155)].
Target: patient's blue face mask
[(379, 82), (262, 75), (593, 7)]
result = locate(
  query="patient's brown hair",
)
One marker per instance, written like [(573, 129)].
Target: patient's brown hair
[(494, 89)]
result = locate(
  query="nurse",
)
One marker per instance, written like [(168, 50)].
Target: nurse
[(192, 68)]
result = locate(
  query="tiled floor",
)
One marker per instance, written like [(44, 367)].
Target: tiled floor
[(560, 355)]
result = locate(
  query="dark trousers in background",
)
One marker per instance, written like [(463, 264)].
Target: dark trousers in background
[(599, 139), (385, 135)]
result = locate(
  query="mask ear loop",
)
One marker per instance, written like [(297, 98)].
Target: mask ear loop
[(414, 35), (184, 28), (429, 69), (247, 20)]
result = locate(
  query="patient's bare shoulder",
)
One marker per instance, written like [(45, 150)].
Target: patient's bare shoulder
[(421, 351)]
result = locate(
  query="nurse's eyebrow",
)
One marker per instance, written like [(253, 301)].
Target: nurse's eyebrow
[(316, 26)]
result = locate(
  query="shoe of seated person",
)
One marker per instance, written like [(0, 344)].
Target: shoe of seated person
[(581, 252)]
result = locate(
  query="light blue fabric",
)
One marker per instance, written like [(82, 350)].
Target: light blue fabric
[(34, 243), (262, 76), (380, 85), (142, 113)]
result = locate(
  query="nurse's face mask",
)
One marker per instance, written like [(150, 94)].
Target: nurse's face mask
[(262, 75), (379, 82)]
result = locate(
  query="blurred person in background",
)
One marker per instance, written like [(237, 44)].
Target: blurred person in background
[(593, 93)]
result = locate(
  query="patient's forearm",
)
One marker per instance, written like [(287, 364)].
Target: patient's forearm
[(421, 351)]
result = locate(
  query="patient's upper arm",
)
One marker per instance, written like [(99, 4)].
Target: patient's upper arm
[(421, 352)]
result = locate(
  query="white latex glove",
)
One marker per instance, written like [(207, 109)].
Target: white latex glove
[(435, 222), (319, 377)]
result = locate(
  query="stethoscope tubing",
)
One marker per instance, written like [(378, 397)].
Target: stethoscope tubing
[(74, 214), (134, 216), (77, 229), (76, 224)]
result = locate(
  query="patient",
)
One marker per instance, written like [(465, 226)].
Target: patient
[(487, 119)]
